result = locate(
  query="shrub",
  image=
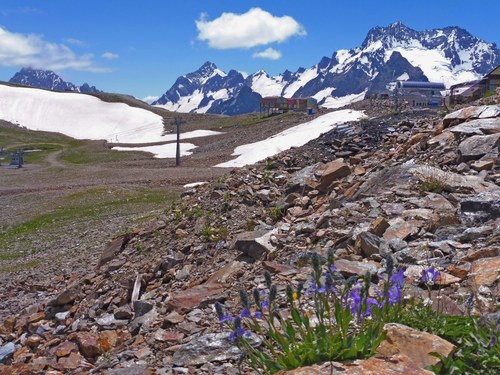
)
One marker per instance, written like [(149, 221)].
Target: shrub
[(432, 185), (206, 233), (275, 213)]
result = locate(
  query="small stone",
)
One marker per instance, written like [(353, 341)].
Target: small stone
[(33, 341), (112, 249), (168, 336), (367, 244), (222, 275), (255, 244), (379, 226), (142, 307), (7, 351), (354, 268), (477, 146), (73, 361), (107, 340), (65, 349), (483, 165), (188, 299), (399, 229), (333, 171), (211, 347), (276, 267), (123, 312), (8, 325), (174, 318), (63, 315), (88, 344)]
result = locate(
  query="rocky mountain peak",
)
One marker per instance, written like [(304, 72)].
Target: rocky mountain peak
[(396, 32), (206, 69), (47, 79)]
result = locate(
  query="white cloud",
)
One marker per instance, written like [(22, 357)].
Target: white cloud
[(150, 99), (269, 53), (75, 42), (253, 28), (110, 55), (34, 51)]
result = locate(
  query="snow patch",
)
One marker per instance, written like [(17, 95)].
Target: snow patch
[(294, 137), (78, 115), (162, 151), (403, 77), (341, 101)]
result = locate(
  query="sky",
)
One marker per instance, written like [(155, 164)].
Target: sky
[(140, 47)]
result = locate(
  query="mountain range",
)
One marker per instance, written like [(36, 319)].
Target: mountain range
[(47, 79), (449, 55), (396, 52)]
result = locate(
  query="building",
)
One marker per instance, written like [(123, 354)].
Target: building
[(466, 92), (279, 104), (420, 94), (273, 104)]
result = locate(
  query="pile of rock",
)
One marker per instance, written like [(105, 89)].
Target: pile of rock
[(360, 190)]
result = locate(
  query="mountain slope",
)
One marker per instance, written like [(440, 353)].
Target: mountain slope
[(47, 79), (448, 55)]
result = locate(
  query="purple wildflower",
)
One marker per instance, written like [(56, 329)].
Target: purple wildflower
[(355, 300), (430, 276), (398, 279), (258, 315), (240, 331), (369, 302), (394, 294), (245, 313)]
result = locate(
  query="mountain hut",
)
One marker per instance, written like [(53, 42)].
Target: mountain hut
[(421, 94)]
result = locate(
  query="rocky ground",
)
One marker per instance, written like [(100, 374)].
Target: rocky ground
[(420, 187)]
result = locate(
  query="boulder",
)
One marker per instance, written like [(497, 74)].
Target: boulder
[(483, 165), (485, 271), (394, 365), (415, 344), (208, 348), (487, 202), (478, 127), (477, 146)]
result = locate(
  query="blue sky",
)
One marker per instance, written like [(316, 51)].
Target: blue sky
[(141, 47)]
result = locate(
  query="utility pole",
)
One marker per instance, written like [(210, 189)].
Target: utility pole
[(177, 122)]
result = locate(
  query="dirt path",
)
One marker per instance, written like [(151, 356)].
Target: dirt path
[(54, 161)]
